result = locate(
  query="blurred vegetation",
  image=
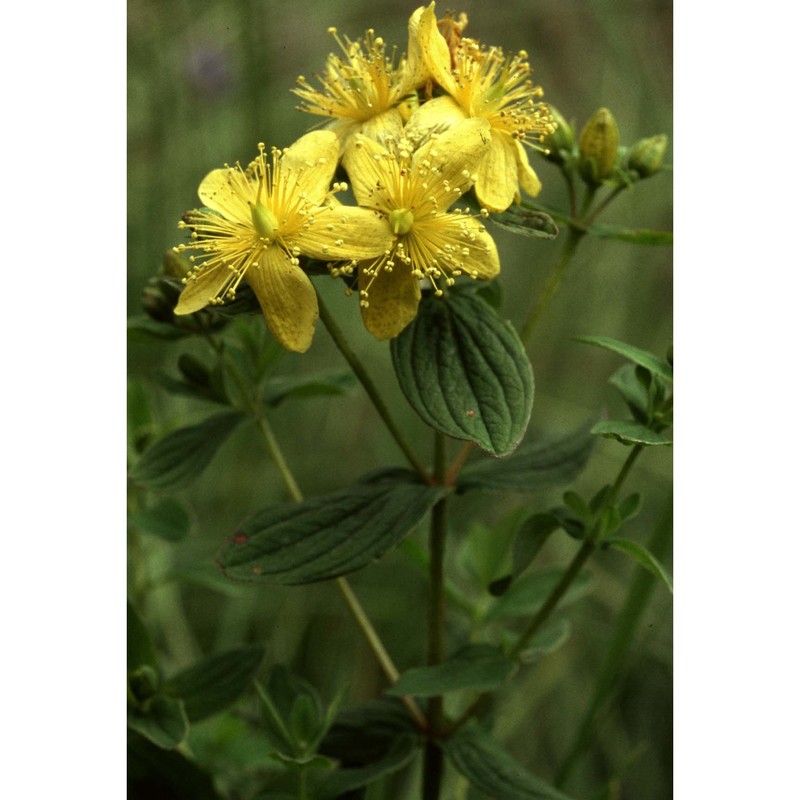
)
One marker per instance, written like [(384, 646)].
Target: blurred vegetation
[(207, 81)]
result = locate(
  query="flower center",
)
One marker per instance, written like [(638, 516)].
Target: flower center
[(401, 220), (266, 223)]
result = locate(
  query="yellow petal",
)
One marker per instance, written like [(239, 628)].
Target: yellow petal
[(393, 299), (435, 51), (287, 299), (345, 232), (389, 124), (436, 115), (416, 70), (497, 173), (202, 286), (364, 161), (528, 179), (483, 260), (226, 191), (310, 163), (456, 153)]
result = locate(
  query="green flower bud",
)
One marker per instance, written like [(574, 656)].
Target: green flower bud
[(176, 265), (647, 155), (561, 141), (598, 146), (159, 298)]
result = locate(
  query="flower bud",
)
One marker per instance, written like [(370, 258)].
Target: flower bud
[(647, 155), (561, 141), (598, 146), (159, 298), (175, 264)]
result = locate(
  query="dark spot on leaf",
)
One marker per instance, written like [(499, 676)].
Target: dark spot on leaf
[(239, 538)]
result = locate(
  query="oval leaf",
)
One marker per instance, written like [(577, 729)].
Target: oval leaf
[(181, 456), (643, 556), (527, 594), (465, 372), (537, 464), (325, 537), (215, 682), (475, 667), (488, 768), (167, 520)]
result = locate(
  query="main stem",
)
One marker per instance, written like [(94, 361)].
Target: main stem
[(434, 760), (369, 387)]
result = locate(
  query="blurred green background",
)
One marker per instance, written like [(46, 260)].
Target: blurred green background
[(207, 81)]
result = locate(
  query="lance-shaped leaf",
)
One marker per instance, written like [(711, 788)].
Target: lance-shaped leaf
[(629, 432), (488, 768), (167, 519), (161, 719), (181, 456), (536, 464), (632, 236), (465, 372), (640, 554), (527, 594), (656, 365), (328, 536), (281, 387), (527, 221), (215, 682), (478, 666)]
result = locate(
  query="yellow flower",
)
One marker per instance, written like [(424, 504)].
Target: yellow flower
[(365, 88), (484, 83), (413, 189), (256, 223)]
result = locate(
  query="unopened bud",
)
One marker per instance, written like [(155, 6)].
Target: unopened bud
[(176, 265), (598, 146), (647, 155), (561, 142), (159, 298)]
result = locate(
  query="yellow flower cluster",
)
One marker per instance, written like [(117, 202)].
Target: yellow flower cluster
[(409, 156)]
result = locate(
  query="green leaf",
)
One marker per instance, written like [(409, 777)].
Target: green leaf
[(633, 236), (335, 784), (212, 684), (531, 538), (142, 328), (167, 519), (477, 666), (486, 552), (527, 594), (365, 734), (324, 537), (630, 507), (156, 773), (465, 372), (635, 395), (489, 769), (658, 366), (176, 459), (335, 382), (640, 554), (162, 720), (527, 221), (629, 432), (546, 641), (537, 464)]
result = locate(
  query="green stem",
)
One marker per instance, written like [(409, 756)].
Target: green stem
[(433, 767), (603, 205), (553, 282), (356, 609), (369, 387)]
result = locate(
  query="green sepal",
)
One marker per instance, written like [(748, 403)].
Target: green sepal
[(629, 432), (523, 219), (465, 372), (478, 666), (178, 458), (328, 536), (640, 554), (475, 753), (167, 519), (215, 682), (536, 464)]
